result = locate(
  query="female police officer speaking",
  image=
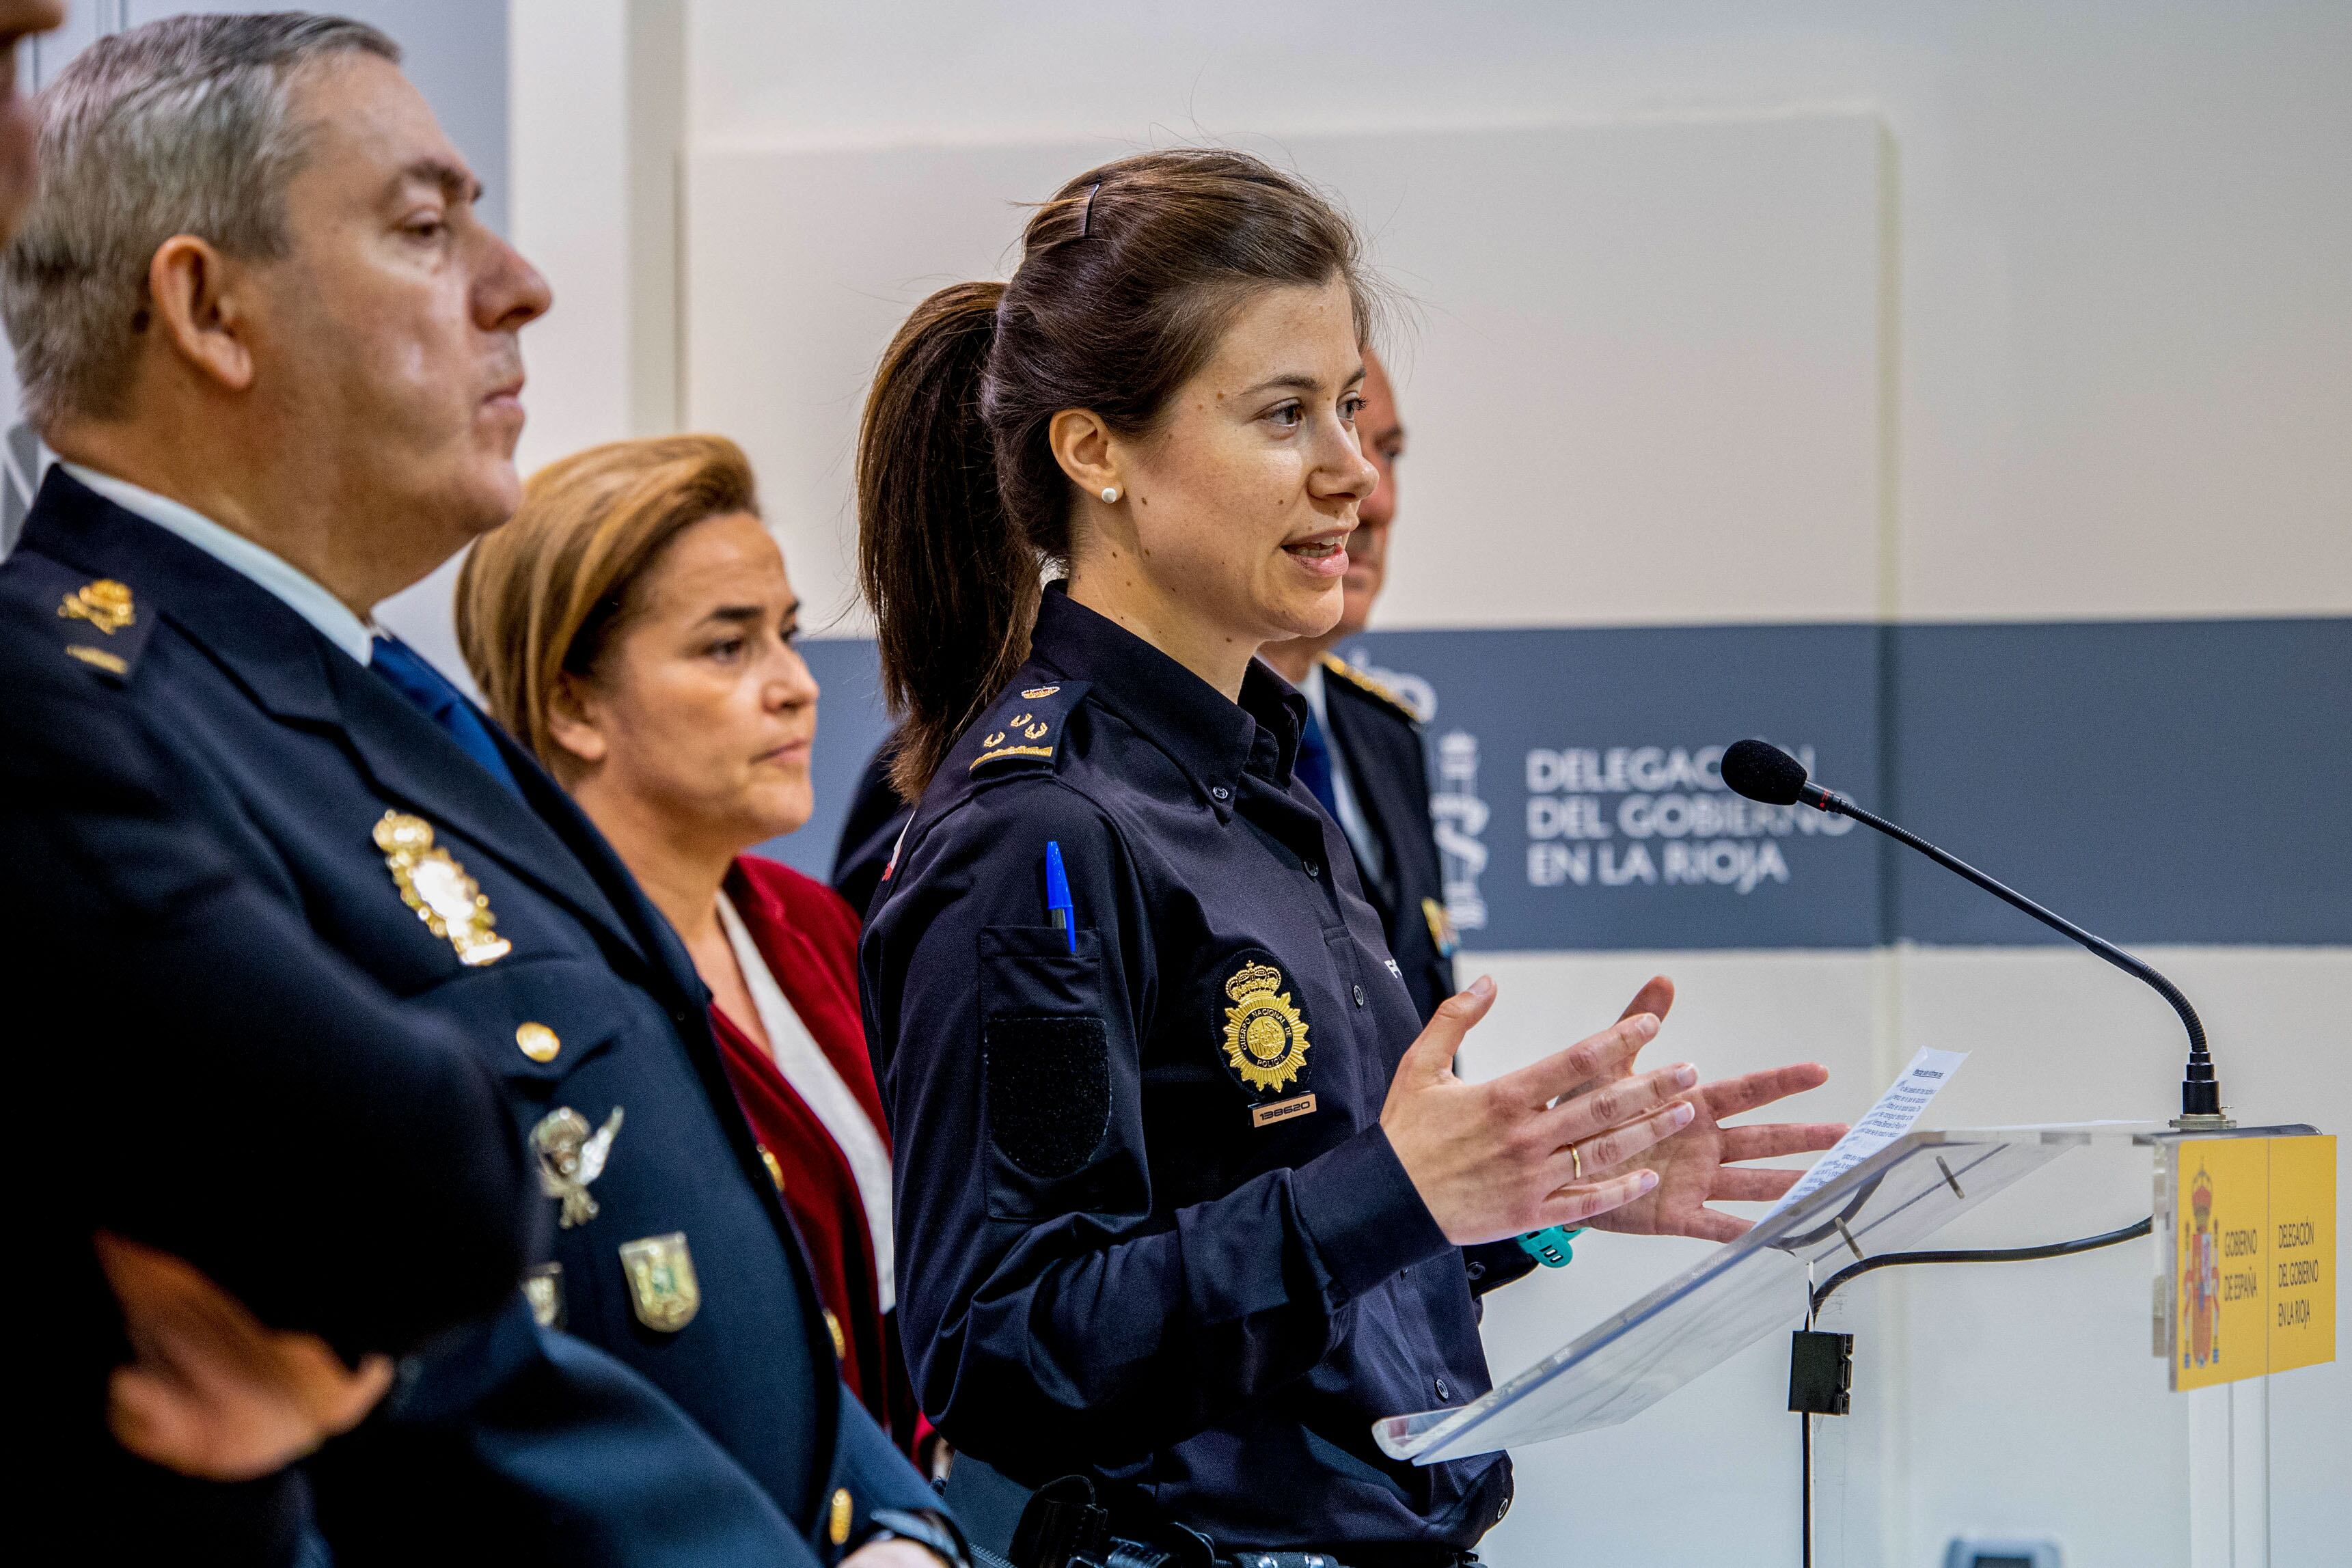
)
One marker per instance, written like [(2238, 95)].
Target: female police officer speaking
[(1180, 1193)]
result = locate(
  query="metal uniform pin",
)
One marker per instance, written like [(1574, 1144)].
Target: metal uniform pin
[(537, 1042), (543, 1288), (450, 903), (569, 1158), (662, 1287)]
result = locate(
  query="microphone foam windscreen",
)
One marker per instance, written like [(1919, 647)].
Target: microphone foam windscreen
[(1762, 771)]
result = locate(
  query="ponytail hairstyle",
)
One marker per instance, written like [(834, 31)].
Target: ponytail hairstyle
[(1128, 279)]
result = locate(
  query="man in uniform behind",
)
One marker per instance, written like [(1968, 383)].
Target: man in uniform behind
[(277, 351), (1361, 755)]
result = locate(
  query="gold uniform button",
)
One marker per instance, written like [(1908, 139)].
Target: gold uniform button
[(840, 1340), (775, 1171), (838, 1527), (537, 1042)]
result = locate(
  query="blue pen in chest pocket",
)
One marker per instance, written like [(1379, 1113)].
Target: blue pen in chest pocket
[(1059, 910)]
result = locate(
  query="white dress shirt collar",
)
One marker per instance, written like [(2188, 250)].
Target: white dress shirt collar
[(297, 591)]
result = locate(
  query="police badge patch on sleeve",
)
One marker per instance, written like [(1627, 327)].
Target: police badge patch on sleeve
[(1266, 1033)]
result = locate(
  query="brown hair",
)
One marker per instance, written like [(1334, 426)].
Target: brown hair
[(1127, 277), (543, 596)]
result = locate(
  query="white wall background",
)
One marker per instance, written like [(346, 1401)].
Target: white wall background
[(2126, 365), (1591, 374), (2115, 357)]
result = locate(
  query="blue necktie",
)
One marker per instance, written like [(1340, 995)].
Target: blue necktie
[(1314, 764), (406, 672)]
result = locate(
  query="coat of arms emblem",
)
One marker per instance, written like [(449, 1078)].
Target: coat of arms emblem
[(1265, 1038), (2201, 1277)]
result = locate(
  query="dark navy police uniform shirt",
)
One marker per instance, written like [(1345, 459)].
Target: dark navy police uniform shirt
[(1149, 1228)]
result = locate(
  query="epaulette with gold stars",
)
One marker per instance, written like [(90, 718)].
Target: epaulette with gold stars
[(1336, 665), (1024, 727), (99, 624)]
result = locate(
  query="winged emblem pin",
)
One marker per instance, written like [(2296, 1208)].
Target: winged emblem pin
[(570, 1157)]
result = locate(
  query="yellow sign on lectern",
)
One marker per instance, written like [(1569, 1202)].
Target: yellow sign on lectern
[(2249, 1280)]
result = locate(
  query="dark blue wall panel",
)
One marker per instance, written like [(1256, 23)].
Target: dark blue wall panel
[(1604, 825), (2157, 782), (2180, 781)]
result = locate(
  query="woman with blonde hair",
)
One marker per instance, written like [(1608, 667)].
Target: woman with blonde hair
[(633, 626)]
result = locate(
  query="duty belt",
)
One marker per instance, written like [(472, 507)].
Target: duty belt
[(1064, 1527)]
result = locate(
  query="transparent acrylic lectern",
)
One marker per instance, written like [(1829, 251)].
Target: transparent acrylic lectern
[(1744, 1291)]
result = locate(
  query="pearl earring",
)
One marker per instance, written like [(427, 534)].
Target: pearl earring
[(1110, 494)]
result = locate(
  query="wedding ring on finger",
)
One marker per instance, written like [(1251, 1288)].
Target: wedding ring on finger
[(1576, 1159)]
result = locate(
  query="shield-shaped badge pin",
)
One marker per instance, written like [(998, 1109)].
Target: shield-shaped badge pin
[(661, 1286), (542, 1287)]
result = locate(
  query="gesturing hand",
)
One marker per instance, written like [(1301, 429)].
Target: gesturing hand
[(213, 1392), (1502, 1158), (893, 1553), (1697, 1166)]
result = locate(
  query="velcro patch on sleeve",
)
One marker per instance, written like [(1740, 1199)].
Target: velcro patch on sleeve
[(1048, 1090)]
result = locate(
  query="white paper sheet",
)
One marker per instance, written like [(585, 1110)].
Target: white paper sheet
[(1888, 1120)]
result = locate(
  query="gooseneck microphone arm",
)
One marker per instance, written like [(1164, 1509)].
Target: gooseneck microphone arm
[(1762, 771)]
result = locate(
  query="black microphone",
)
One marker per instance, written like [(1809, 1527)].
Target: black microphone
[(1762, 771)]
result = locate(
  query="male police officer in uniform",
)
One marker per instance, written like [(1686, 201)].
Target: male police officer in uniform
[(259, 321), (212, 1078), (1360, 752), (184, 1090)]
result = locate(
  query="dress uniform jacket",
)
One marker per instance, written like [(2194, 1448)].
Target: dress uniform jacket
[(1153, 1230), (192, 1061), (510, 921), (1379, 740)]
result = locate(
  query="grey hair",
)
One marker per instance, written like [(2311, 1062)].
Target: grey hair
[(183, 126)]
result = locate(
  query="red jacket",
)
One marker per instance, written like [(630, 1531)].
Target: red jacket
[(809, 938)]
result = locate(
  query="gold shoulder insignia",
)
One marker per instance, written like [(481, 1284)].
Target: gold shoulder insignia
[(1265, 1038), (99, 621), (1027, 724), (450, 903), (105, 605), (1355, 677)]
